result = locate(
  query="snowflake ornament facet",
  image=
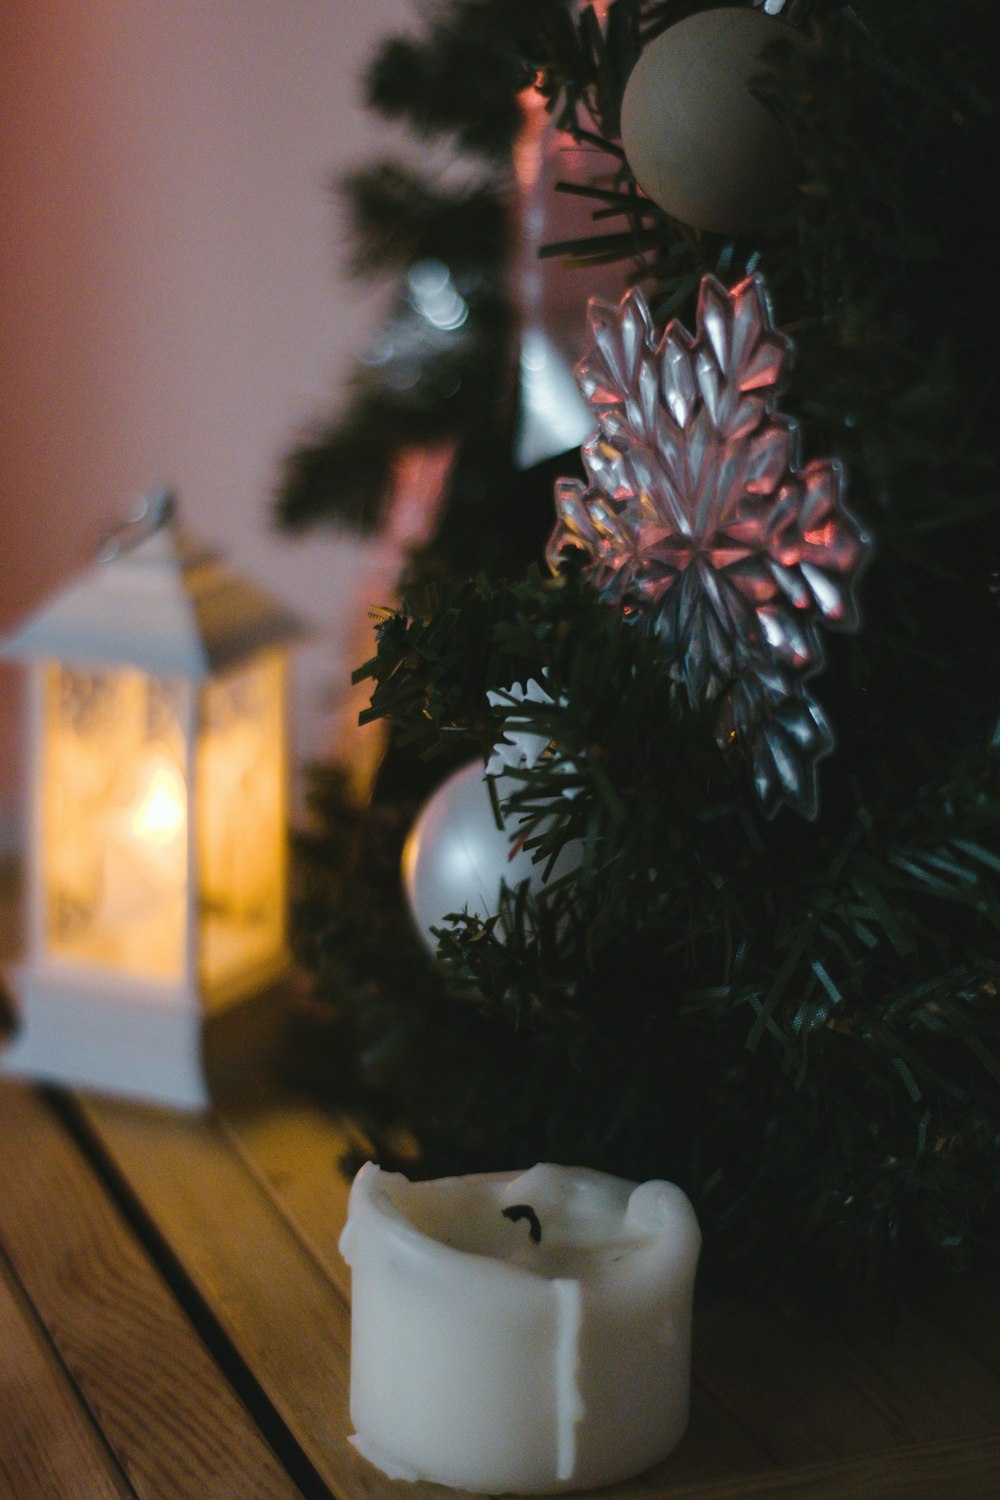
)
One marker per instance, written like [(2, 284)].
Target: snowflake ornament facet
[(700, 525)]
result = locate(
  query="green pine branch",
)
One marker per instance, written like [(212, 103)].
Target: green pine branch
[(799, 1023)]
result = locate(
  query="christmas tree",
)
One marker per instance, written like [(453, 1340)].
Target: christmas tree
[(763, 787)]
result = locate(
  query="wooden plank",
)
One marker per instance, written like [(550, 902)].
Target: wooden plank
[(294, 1150), (960, 1469), (165, 1410), (48, 1444), (253, 1209), (263, 1288), (970, 1312), (927, 1377), (274, 1287), (796, 1390)]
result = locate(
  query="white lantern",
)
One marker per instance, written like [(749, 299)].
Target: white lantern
[(156, 855)]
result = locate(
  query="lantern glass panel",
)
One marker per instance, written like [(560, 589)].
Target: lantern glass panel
[(240, 820), (113, 809)]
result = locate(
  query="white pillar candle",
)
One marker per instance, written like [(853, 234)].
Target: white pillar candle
[(519, 1332)]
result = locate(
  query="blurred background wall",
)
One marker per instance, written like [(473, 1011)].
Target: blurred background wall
[(172, 303)]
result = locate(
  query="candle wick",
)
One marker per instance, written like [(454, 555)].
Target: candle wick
[(524, 1211)]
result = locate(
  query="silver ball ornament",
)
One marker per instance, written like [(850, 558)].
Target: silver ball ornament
[(696, 139), (455, 857)]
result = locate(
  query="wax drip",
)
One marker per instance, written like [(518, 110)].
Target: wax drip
[(524, 1211)]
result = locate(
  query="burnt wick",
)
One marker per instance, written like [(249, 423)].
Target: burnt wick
[(525, 1211)]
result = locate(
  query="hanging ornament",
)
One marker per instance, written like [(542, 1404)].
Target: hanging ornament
[(700, 525), (456, 858), (696, 139)]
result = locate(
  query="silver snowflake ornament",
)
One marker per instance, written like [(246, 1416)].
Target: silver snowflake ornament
[(700, 524)]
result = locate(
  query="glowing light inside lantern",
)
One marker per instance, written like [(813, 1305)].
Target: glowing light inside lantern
[(114, 821), (239, 814), (160, 816)]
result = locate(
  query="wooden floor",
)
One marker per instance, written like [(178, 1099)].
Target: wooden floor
[(174, 1322)]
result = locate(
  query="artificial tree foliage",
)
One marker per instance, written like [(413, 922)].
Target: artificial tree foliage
[(797, 1020)]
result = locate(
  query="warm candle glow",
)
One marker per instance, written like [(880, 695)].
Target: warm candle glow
[(114, 821), (239, 815), (159, 817)]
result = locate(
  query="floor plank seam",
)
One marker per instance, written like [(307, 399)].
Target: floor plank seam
[(203, 1321), (39, 1327), (302, 1238)]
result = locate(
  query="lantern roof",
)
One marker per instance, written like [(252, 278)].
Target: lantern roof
[(163, 604)]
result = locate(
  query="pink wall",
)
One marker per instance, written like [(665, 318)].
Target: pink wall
[(172, 305)]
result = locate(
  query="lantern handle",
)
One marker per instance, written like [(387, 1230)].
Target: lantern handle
[(149, 515)]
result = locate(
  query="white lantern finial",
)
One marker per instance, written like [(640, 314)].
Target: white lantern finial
[(150, 513)]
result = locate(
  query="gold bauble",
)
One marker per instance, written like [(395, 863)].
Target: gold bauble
[(696, 139)]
